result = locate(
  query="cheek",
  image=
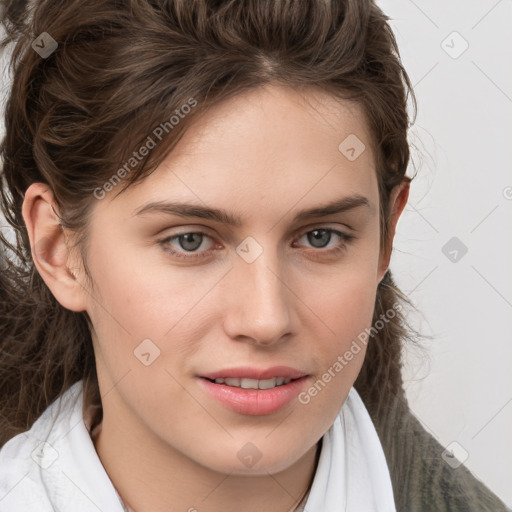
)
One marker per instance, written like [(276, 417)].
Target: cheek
[(349, 315), (345, 300), (340, 356), (143, 297), (134, 302), (344, 307), (123, 305)]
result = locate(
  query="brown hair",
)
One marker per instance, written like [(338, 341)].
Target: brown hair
[(121, 69)]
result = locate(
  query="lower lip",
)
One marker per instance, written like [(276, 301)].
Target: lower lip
[(255, 402)]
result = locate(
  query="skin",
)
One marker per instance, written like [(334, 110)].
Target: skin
[(264, 155)]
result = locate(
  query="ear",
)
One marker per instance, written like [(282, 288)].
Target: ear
[(397, 200), (49, 246)]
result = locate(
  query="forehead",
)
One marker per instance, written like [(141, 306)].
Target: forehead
[(287, 121), (272, 144)]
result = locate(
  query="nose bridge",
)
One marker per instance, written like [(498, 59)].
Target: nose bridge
[(261, 307)]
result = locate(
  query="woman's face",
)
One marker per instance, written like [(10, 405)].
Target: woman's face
[(181, 296)]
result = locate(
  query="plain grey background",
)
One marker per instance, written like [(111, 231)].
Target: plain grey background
[(453, 246), (459, 58)]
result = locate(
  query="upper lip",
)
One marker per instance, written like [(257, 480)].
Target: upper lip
[(246, 372)]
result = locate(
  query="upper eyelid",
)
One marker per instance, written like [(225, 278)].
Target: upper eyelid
[(297, 234)]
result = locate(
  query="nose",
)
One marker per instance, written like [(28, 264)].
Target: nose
[(260, 309)]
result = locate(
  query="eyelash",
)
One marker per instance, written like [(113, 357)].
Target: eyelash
[(345, 239)]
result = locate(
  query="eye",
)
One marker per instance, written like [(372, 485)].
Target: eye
[(185, 243), (320, 238)]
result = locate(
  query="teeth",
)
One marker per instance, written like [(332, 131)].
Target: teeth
[(253, 383), (249, 383), (265, 384)]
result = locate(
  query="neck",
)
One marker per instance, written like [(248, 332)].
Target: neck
[(149, 476)]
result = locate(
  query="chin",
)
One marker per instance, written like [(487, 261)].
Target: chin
[(247, 459)]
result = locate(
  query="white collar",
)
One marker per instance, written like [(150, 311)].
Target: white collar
[(352, 473), (52, 466)]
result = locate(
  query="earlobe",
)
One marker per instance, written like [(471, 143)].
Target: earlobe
[(49, 246), (397, 200)]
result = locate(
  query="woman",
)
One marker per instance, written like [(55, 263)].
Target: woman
[(198, 311)]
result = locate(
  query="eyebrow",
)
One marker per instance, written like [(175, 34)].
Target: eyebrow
[(192, 210)]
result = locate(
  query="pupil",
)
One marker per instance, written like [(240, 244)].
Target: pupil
[(319, 235), (187, 241)]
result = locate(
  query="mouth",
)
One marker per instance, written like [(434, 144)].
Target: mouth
[(248, 373), (254, 391), (246, 383)]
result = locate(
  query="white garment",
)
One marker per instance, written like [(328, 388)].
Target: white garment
[(56, 468)]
